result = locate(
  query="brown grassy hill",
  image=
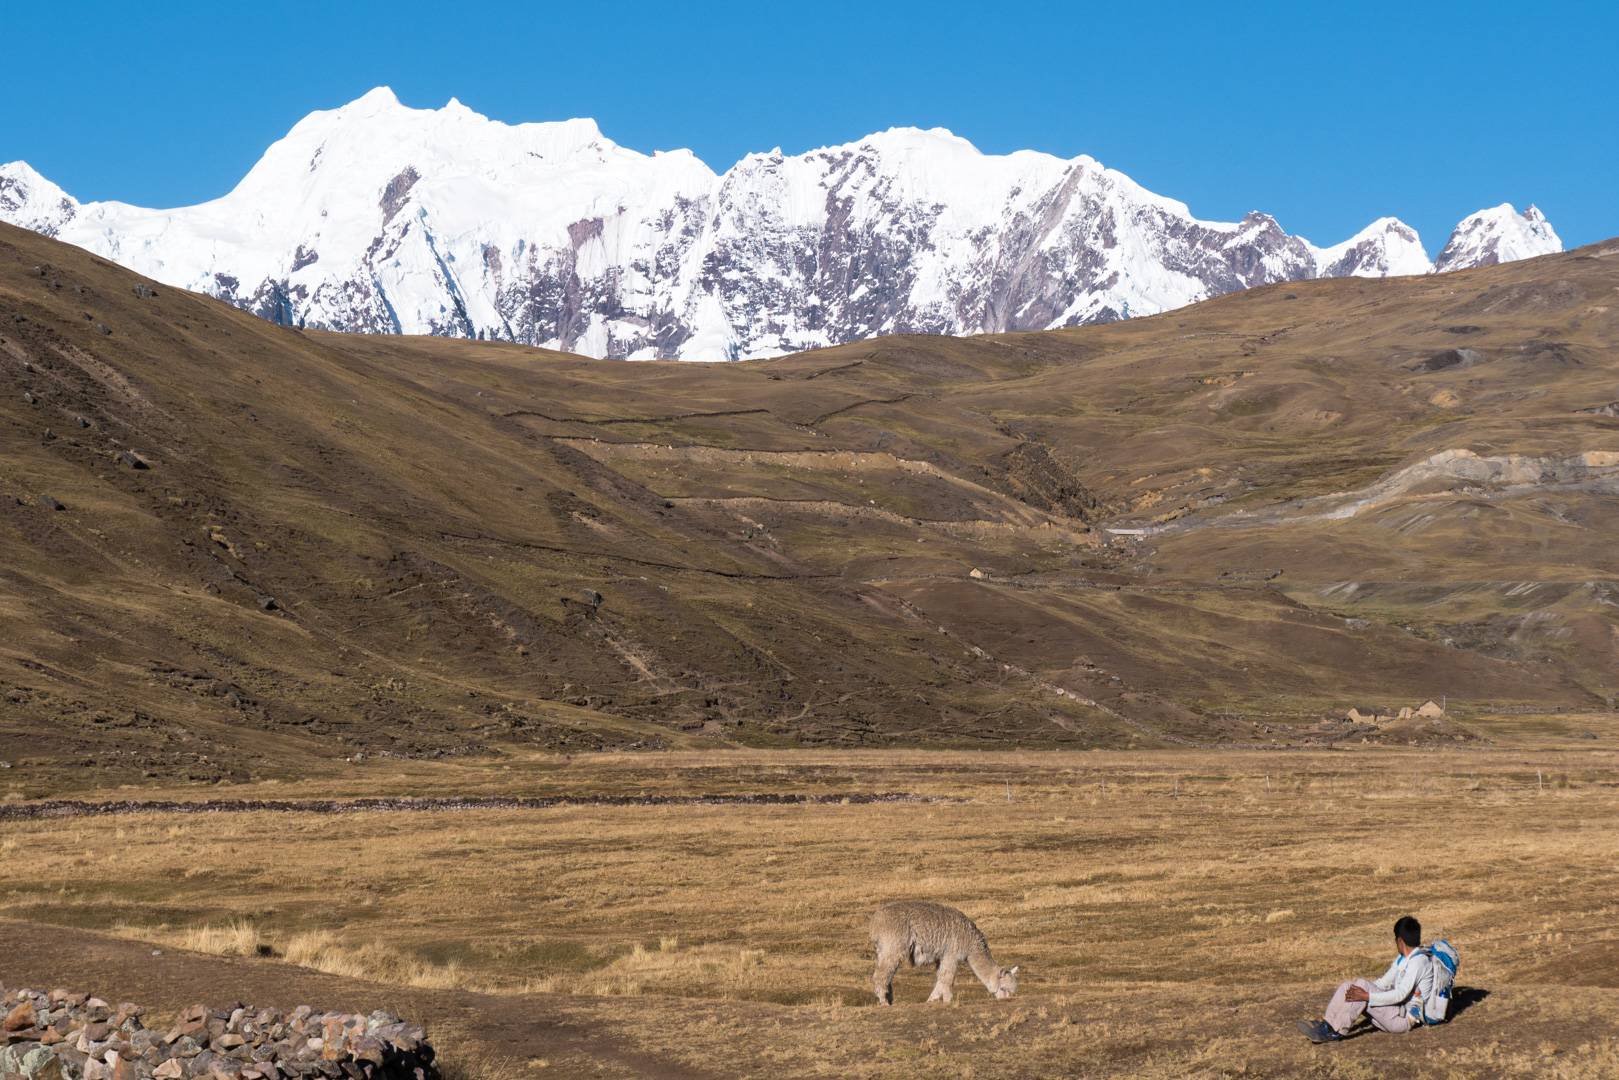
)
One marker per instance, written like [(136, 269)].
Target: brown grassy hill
[(276, 548)]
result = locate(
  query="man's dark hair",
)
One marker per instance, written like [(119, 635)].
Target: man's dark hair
[(1409, 931)]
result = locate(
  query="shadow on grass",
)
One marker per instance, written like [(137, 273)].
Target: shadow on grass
[(1463, 998)]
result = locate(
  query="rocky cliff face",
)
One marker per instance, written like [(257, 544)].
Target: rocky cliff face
[(375, 217)]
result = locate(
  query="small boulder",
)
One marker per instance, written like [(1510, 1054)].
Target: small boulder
[(101, 329), (267, 603), (30, 398), (50, 504), (19, 1018), (132, 460), (591, 597), (145, 291), (1588, 735)]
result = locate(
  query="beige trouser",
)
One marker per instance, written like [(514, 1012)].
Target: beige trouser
[(1342, 1014)]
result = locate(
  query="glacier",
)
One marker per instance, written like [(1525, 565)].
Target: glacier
[(375, 217)]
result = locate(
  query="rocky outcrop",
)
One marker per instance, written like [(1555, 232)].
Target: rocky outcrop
[(67, 1036), (1045, 483)]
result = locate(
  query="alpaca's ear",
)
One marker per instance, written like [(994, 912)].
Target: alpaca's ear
[(1013, 971)]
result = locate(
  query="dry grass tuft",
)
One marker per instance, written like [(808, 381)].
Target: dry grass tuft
[(237, 938)]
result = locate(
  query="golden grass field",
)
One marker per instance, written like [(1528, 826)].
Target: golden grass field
[(1177, 924)]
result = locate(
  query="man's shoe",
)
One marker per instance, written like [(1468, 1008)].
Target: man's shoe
[(1318, 1031)]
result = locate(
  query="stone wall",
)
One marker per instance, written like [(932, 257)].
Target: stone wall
[(68, 1036)]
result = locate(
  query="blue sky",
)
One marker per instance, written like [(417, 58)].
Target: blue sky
[(1326, 116)]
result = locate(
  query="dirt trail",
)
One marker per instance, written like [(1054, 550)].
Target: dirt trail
[(1015, 514), (76, 808)]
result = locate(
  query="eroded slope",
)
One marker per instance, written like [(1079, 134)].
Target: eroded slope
[(1215, 526)]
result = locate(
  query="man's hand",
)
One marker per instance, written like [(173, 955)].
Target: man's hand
[(1357, 993)]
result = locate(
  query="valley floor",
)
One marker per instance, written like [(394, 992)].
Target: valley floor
[(1173, 913)]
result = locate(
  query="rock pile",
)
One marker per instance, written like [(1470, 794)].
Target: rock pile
[(64, 1036)]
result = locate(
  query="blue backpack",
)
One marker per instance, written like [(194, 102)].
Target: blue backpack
[(1443, 956)]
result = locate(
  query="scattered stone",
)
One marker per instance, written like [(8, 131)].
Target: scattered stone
[(145, 291), (81, 421), (1588, 735), (26, 366), (101, 329), (267, 603), (50, 504), (37, 271), (30, 398), (591, 597), (63, 1036), (132, 460)]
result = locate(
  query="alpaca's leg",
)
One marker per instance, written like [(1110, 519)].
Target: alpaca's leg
[(882, 980), (946, 979)]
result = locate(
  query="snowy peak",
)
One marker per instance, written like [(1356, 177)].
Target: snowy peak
[(33, 202), (1497, 235), (382, 218), (1388, 247)]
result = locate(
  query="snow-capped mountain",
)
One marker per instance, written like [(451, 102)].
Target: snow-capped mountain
[(1497, 235), (377, 217)]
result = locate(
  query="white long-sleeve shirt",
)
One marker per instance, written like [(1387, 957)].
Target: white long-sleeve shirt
[(1410, 973)]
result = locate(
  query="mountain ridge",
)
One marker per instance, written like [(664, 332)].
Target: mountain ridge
[(375, 217)]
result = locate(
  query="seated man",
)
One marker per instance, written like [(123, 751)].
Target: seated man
[(1394, 1001)]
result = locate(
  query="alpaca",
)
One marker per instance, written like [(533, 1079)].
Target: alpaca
[(927, 934)]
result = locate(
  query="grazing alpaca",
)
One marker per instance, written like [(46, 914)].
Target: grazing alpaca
[(927, 934)]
